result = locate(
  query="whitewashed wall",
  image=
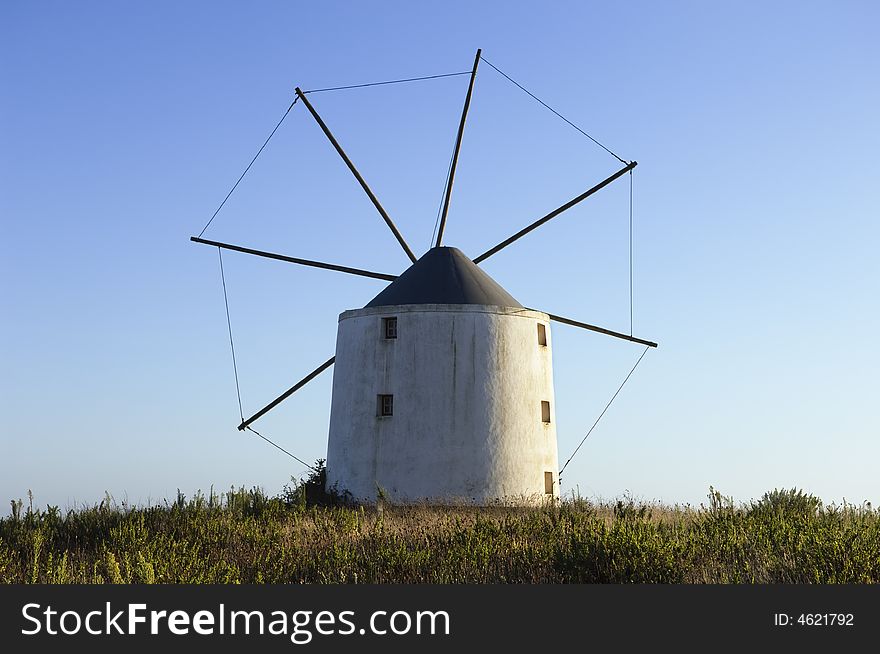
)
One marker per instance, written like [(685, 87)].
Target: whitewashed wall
[(468, 381)]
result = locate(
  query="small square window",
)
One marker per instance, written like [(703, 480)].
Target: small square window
[(545, 411), (385, 405), (542, 334), (548, 483), (389, 327)]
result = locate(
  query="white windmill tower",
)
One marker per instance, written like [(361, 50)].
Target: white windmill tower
[(443, 383), (443, 391)]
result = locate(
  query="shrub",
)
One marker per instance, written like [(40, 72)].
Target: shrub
[(309, 535), (787, 502), (313, 491)]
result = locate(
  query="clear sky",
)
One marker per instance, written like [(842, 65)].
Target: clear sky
[(755, 126)]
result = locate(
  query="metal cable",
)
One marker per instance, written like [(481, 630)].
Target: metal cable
[(234, 186), (547, 106), (273, 444), (603, 411), (393, 81), (229, 326), (235, 369)]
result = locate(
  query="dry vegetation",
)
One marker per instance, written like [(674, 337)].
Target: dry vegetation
[(245, 536)]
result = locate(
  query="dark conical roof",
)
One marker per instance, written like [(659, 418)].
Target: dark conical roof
[(444, 276)]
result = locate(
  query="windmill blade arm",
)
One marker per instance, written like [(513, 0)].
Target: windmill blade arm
[(302, 262), (600, 330), (464, 113), (357, 175), (290, 391), (556, 212)]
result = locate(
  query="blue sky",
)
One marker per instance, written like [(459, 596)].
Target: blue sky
[(756, 232)]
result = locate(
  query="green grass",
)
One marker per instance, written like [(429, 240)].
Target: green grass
[(245, 536)]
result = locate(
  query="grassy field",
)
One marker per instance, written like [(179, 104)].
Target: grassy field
[(245, 536)]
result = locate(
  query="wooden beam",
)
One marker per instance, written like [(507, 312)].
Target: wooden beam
[(357, 175), (556, 212), (290, 391), (600, 330), (302, 262), (464, 113)]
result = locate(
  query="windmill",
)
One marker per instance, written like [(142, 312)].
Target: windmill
[(443, 382)]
